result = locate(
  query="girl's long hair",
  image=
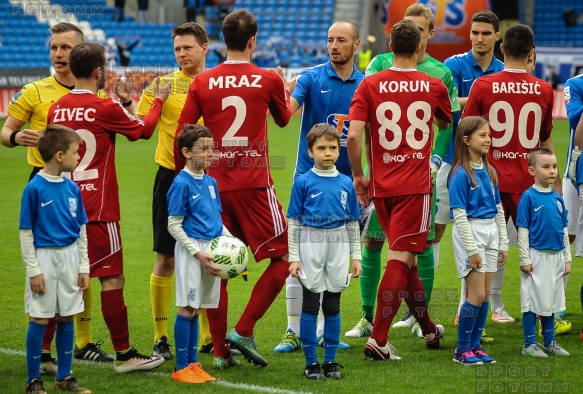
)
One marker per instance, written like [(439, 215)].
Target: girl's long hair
[(461, 155)]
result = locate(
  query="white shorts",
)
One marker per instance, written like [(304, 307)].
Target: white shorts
[(486, 238), (325, 258), (60, 269), (575, 214), (195, 287), (542, 291), (442, 212)]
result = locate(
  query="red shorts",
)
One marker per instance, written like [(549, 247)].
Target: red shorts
[(510, 205), (105, 253), (405, 220), (255, 216)]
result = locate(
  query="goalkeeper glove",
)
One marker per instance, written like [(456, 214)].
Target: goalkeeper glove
[(573, 165), (435, 165)]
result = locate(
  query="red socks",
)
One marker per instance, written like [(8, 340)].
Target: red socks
[(49, 334), (115, 314), (217, 318), (392, 290), (417, 303), (264, 293)]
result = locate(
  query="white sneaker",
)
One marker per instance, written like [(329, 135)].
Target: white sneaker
[(416, 330), (501, 316), (49, 367), (407, 321), (534, 351), (362, 329), (373, 351), (556, 349), (133, 361)]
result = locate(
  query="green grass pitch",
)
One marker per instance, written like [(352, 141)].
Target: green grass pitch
[(419, 371)]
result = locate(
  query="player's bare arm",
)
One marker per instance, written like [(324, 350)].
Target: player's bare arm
[(24, 137), (290, 84), (122, 86), (37, 284), (295, 267), (355, 268), (162, 92), (548, 144), (206, 262), (354, 146), (83, 282)]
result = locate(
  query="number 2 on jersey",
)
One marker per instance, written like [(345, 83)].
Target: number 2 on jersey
[(392, 124), (81, 173), (229, 139)]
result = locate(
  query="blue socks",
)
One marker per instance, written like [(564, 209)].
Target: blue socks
[(468, 316), (64, 338), (34, 344), (182, 328), (548, 325), (476, 335), (529, 328), (331, 337), (193, 341), (308, 336)]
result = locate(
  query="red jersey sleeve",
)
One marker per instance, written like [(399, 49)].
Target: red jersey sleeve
[(359, 107), (128, 125), (472, 107), (443, 107), (190, 114), (280, 106), (547, 122)]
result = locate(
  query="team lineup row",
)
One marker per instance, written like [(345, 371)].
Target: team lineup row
[(235, 116)]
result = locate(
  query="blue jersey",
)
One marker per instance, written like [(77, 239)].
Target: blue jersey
[(465, 70), (197, 200), (573, 95), (53, 210), (323, 199), (545, 216), (325, 98), (479, 201)]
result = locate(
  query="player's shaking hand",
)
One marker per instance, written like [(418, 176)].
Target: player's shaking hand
[(162, 92)]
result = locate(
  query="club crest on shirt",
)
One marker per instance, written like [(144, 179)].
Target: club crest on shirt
[(343, 198), (212, 191), (560, 206), (73, 207)]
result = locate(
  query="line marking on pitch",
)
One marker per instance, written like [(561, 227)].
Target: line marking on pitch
[(241, 386)]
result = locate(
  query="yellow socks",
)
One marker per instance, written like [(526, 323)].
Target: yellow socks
[(160, 295), (204, 329), (83, 320)]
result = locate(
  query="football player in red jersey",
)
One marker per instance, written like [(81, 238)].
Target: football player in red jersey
[(97, 121), (399, 149), (519, 108), (234, 98)]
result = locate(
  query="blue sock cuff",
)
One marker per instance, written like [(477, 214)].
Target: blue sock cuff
[(180, 317), (333, 317), (309, 317), (37, 329), (66, 325)]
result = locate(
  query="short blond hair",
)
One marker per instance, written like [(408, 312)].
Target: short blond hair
[(421, 10)]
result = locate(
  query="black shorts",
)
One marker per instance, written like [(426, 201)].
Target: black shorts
[(34, 171), (163, 241)]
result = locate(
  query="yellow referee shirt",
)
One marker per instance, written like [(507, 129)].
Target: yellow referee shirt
[(31, 104), (170, 113)]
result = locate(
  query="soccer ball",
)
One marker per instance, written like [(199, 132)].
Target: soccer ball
[(230, 254)]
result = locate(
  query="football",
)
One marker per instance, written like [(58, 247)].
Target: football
[(230, 254)]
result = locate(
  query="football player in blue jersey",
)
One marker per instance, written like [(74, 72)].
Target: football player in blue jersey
[(53, 240), (324, 242), (545, 254), (324, 92), (466, 68)]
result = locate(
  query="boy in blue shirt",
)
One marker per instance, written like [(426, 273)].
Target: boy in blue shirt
[(53, 241), (545, 254), (194, 219), (323, 230)]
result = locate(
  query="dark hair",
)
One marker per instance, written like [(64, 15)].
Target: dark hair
[(85, 58), (193, 29), (535, 153), (323, 130), (190, 134), (405, 38), (56, 138), (421, 10), (518, 41), (64, 27), (461, 155), (487, 17), (238, 27)]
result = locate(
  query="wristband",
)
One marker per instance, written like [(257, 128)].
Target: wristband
[(436, 160), (127, 103), (13, 138)]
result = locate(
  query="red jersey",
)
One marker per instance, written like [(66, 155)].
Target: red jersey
[(400, 105), (233, 98), (519, 108), (97, 121)]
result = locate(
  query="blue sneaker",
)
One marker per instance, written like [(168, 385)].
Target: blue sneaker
[(290, 343), (465, 356), (341, 345), (482, 355), (561, 314), (246, 345)]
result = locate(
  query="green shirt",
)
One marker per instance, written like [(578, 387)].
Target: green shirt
[(433, 68)]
